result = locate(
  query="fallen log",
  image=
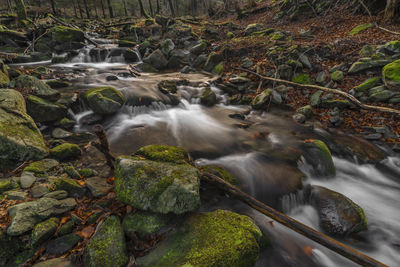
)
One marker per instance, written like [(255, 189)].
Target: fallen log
[(328, 242), (348, 96)]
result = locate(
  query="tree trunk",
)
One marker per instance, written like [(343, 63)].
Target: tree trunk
[(21, 11), (390, 10), (125, 8), (75, 11), (171, 6), (151, 8), (9, 6), (110, 9), (142, 11), (103, 8), (158, 6), (80, 9), (95, 8), (53, 7), (87, 9)]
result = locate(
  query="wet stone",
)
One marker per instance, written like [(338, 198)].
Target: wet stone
[(39, 191), (98, 186), (60, 194), (27, 179), (62, 244)]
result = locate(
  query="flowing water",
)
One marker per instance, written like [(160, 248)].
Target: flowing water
[(245, 143)]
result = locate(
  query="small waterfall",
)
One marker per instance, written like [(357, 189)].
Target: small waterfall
[(292, 201)]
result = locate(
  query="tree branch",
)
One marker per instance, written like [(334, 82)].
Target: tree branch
[(348, 96)]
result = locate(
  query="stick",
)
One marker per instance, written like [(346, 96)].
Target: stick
[(103, 146), (352, 99), (340, 248), (35, 41)]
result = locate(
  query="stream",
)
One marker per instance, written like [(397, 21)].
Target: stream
[(245, 143)]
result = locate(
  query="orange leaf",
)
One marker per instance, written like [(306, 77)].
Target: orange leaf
[(308, 251)]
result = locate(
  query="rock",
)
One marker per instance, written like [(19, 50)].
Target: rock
[(262, 100), (252, 28), (220, 172), (44, 111), (367, 51), (218, 69), (276, 98), (104, 100), (5, 184), (332, 103), (59, 194), (381, 96), (318, 155), (219, 238), (374, 136), (67, 228), (4, 79), (156, 60), (107, 247), (20, 139), (40, 89), (86, 172), (338, 214), (71, 186), (26, 215), (39, 191), (198, 49), (42, 166), (390, 48), (306, 111), (391, 76), (66, 151), (212, 61), (44, 231), (9, 247), (246, 63), (27, 179), (63, 244), (72, 172), (305, 61), (367, 84), (55, 84), (98, 186), (144, 224), (16, 195), (337, 76), (157, 186), (59, 262), (59, 133), (300, 118), (167, 46), (316, 98), (321, 78), (162, 153), (360, 66), (285, 71), (208, 97), (65, 36), (200, 61), (168, 87)]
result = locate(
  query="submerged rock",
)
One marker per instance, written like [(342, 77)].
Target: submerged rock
[(104, 100), (219, 238), (157, 186), (26, 215), (338, 214), (107, 247), (20, 139)]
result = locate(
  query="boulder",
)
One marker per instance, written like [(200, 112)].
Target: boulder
[(20, 139), (62, 245), (262, 100), (143, 223), (69, 185), (318, 155), (25, 216), (156, 60), (104, 100), (167, 46), (212, 61), (44, 231), (38, 87), (391, 76), (361, 66), (66, 151), (208, 97), (44, 111), (107, 247), (98, 186), (55, 84), (157, 186), (338, 214), (42, 167), (198, 49), (163, 153), (219, 238)]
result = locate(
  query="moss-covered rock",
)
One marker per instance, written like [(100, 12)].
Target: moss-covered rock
[(318, 155), (44, 231), (66, 151), (262, 100), (306, 111), (164, 153), (366, 85), (208, 97), (337, 76), (104, 100), (38, 87), (361, 66), (70, 185), (4, 79), (391, 75), (42, 110), (199, 48), (5, 184), (338, 214), (219, 238), (144, 223), (168, 86), (218, 69), (220, 172), (157, 60), (213, 60), (107, 247), (252, 28), (72, 172), (42, 166), (86, 172), (63, 34), (157, 186), (20, 139), (55, 84), (302, 78)]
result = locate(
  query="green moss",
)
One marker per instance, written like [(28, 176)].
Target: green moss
[(230, 35), (220, 172), (368, 84), (5, 184), (44, 231), (302, 78), (86, 172), (391, 75), (277, 36), (58, 84), (208, 97), (164, 153), (63, 34), (4, 79), (69, 185), (66, 151), (169, 86), (107, 247), (219, 238), (104, 100), (72, 172), (337, 76), (42, 166), (319, 156), (143, 224), (219, 68), (360, 28)]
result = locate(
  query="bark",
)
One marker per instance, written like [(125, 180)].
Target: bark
[(87, 9), (158, 6), (110, 9), (390, 10), (142, 11), (75, 9), (80, 9), (53, 7), (171, 6), (340, 248), (151, 8), (103, 9), (21, 10), (9, 6), (125, 8)]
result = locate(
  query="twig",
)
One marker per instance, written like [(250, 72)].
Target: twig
[(35, 41), (352, 99), (340, 248)]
